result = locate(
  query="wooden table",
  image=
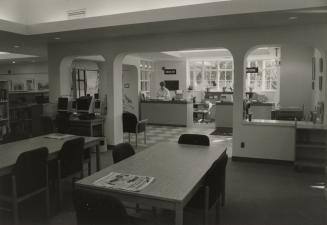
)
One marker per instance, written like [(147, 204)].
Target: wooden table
[(178, 171), (9, 152)]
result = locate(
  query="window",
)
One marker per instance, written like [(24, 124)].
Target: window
[(267, 78), (146, 69), (216, 74), (85, 82)]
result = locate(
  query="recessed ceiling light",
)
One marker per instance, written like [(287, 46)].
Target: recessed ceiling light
[(16, 46), (292, 18), (57, 38), (13, 62)]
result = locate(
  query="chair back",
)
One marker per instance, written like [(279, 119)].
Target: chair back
[(194, 139), (129, 122), (71, 157), (31, 171), (98, 209), (62, 122), (47, 125), (122, 151), (215, 178)]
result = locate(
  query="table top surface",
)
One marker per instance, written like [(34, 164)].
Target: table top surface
[(177, 169), (9, 152)]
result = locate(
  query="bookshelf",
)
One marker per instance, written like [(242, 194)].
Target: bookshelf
[(310, 146), (4, 109)]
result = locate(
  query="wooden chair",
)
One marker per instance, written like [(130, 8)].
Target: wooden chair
[(98, 209), (69, 162), (29, 177), (132, 125), (122, 151), (194, 139), (213, 189)]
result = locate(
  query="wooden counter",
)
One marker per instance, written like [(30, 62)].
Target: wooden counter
[(171, 113)]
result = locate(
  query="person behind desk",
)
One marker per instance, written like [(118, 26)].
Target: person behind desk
[(163, 92)]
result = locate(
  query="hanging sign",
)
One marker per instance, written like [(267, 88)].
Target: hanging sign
[(169, 71), (252, 70)]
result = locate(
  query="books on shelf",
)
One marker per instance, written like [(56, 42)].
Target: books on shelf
[(124, 181)]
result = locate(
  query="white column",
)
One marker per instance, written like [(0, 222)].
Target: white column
[(239, 79), (111, 89)]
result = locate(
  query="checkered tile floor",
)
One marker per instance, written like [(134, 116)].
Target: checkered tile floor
[(156, 134)]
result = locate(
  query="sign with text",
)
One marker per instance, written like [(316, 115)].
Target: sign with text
[(169, 71), (252, 70)]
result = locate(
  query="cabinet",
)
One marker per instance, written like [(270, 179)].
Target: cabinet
[(310, 145), (4, 109)]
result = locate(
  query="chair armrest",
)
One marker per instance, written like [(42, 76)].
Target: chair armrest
[(143, 121)]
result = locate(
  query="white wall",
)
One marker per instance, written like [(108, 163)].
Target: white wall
[(318, 95), (267, 142), (159, 75), (131, 89), (24, 68), (295, 83)]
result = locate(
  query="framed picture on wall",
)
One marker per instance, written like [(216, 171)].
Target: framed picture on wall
[(321, 65), (313, 68)]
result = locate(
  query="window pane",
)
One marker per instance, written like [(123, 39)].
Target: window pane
[(229, 75)]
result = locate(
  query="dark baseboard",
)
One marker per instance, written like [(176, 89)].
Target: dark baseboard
[(267, 161)]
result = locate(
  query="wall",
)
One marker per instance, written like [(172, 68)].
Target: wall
[(159, 75), (318, 95), (25, 68), (238, 41), (295, 83), (131, 89)]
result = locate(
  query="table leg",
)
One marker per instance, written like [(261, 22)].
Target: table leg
[(179, 215), (97, 152)]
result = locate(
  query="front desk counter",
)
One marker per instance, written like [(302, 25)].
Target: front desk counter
[(172, 113)]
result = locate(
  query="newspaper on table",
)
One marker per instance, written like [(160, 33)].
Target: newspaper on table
[(59, 136), (123, 181)]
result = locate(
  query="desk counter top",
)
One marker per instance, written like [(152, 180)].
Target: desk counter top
[(167, 102)]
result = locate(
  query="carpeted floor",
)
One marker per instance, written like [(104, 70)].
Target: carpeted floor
[(257, 194)]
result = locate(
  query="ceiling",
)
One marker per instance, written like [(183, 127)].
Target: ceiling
[(49, 16), (36, 44)]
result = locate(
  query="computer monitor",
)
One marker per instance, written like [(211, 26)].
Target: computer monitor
[(83, 104), (63, 104), (172, 85)]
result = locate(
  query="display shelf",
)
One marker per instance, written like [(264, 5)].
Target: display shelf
[(4, 109), (310, 146)]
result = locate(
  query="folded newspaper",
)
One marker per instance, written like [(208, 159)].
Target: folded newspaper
[(59, 136), (123, 181)]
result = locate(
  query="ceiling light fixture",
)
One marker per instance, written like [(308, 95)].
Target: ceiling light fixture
[(16, 46), (3, 53), (57, 38), (292, 18), (13, 62)]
